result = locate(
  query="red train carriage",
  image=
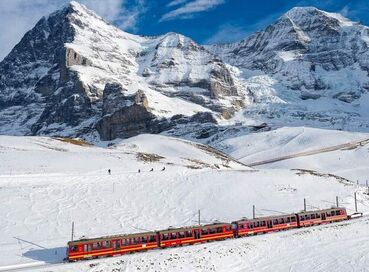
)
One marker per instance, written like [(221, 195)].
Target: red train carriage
[(111, 245), (321, 216), (196, 234), (264, 224)]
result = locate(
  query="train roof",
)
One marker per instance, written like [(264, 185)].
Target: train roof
[(215, 225), (110, 237), (264, 218), (324, 210)]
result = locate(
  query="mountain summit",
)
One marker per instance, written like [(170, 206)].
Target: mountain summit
[(74, 74)]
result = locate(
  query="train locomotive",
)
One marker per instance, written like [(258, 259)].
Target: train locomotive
[(115, 245)]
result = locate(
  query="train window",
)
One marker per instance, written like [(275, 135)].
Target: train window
[(188, 233), (263, 223), (134, 241), (152, 238), (173, 235), (293, 219), (125, 242), (288, 220), (95, 245), (143, 239), (313, 216), (228, 228), (302, 218), (219, 230), (73, 248), (281, 220), (242, 226), (249, 226), (328, 214), (106, 244), (317, 215), (256, 224), (165, 236), (275, 222), (181, 234), (338, 213), (204, 231), (212, 231)]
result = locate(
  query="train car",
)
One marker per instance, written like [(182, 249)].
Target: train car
[(264, 224), (111, 245), (195, 234), (321, 216)]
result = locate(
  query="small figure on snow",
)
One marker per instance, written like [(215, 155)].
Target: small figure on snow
[(152, 169), (109, 171), (163, 168), (139, 170)]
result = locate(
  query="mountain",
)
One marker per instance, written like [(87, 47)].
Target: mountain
[(309, 67), (74, 74)]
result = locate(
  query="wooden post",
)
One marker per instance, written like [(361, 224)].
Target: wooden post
[(253, 211), (305, 204), (337, 201), (355, 202), (199, 218), (72, 231)]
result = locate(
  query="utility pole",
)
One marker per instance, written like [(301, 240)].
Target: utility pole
[(304, 204), (72, 230), (199, 218), (337, 201), (355, 202), (253, 211)]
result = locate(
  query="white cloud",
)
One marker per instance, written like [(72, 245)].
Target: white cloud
[(190, 8), (176, 3), (19, 16), (227, 33), (234, 32)]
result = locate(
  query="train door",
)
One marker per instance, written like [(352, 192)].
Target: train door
[(115, 245), (323, 216), (197, 234), (86, 247), (269, 224)]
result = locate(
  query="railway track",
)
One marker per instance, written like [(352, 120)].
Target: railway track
[(349, 145)]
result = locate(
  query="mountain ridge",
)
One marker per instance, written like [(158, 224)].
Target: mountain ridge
[(74, 74)]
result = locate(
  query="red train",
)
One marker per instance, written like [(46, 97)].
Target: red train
[(122, 244)]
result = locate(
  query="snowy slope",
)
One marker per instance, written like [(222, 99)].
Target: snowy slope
[(47, 183), (350, 162)]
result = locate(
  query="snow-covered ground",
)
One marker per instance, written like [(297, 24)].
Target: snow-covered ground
[(351, 162), (46, 184)]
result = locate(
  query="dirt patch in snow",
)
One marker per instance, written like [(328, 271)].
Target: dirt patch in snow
[(147, 157)]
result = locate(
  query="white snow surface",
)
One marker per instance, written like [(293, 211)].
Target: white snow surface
[(46, 184)]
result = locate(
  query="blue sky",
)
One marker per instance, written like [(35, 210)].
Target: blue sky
[(205, 21)]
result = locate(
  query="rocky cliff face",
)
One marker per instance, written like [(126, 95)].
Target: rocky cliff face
[(74, 74)]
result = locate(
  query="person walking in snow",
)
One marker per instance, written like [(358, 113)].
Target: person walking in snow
[(152, 169), (139, 170), (109, 171), (163, 168)]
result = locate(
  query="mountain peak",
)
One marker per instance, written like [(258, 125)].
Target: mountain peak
[(304, 14)]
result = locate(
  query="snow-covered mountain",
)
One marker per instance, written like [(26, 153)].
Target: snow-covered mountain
[(74, 74), (309, 67)]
